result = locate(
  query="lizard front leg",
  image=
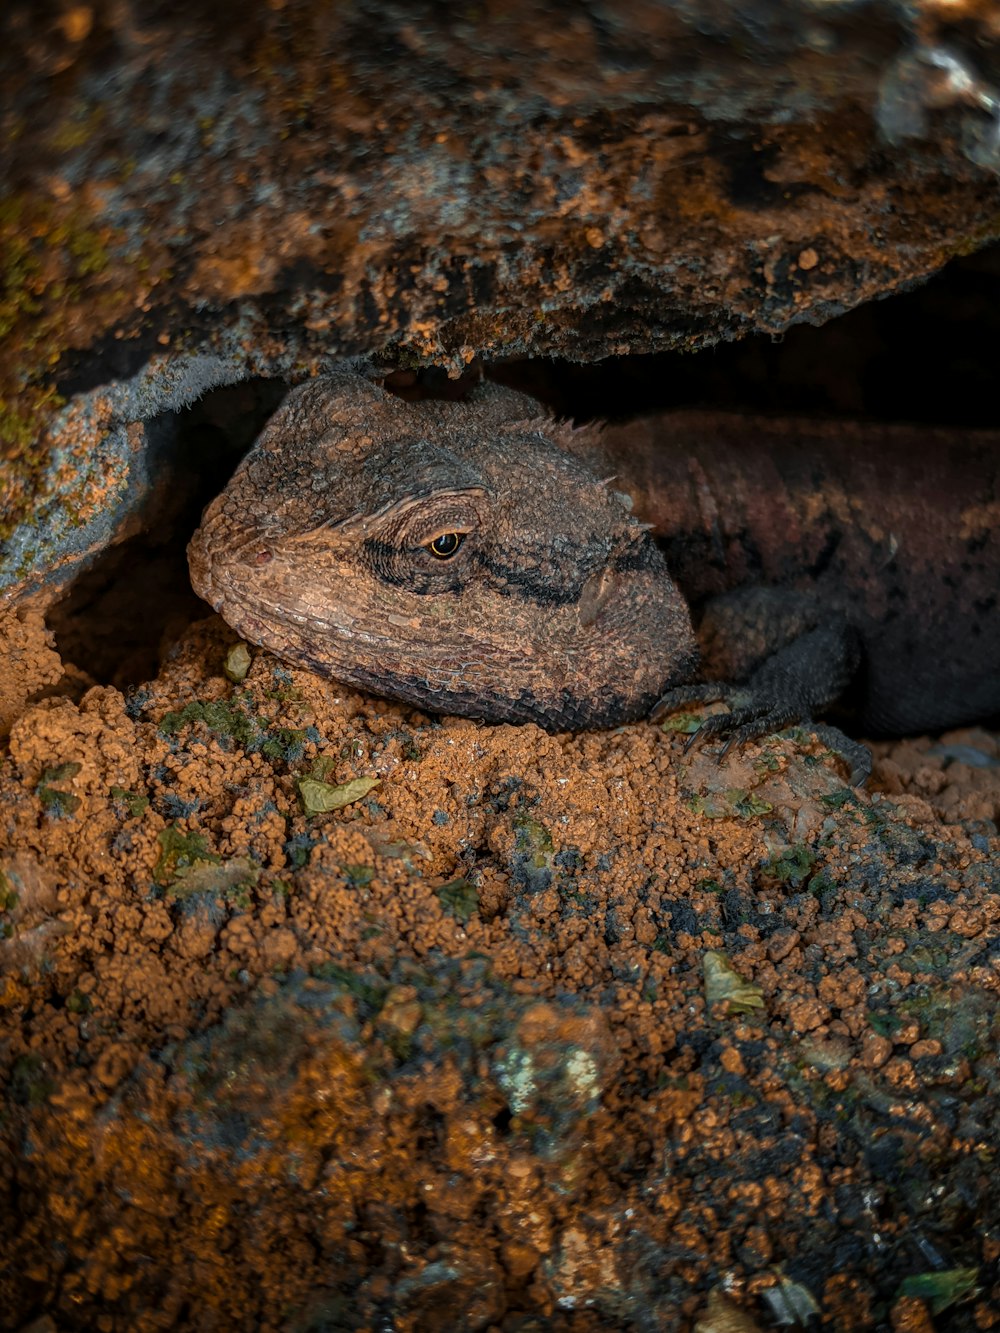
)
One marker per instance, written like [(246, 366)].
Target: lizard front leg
[(770, 657)]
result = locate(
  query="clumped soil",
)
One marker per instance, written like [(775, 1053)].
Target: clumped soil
[(528, 1032)]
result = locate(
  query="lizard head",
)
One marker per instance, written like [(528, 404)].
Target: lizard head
[(451, 555)]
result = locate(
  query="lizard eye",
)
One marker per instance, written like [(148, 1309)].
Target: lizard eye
[(446, 544)]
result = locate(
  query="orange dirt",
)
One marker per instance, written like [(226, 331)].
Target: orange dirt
[(540, 1032)]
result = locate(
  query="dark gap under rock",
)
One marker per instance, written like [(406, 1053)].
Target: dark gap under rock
[(137, 595), (928, 355)]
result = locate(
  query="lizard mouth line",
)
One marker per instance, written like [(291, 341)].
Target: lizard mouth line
[(276, 613)]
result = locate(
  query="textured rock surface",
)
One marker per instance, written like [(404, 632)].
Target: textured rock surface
[(197, 194)]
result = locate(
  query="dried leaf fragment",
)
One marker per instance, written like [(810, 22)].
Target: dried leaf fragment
[(319, 798), (237, 663), (723, 982)]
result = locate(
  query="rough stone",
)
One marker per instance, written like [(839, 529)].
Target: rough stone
[(197, 195)]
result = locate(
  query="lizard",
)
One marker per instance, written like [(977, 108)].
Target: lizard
[(482, 558)]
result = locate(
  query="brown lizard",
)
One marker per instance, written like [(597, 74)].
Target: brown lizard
[(477, 558)]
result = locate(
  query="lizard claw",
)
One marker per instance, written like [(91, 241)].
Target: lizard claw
[(751, 715), (856, 756), (687, 696), (744, 722)]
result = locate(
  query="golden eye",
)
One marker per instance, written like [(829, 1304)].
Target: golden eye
[(445, 546)]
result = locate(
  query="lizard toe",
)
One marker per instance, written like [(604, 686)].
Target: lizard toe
[(750, 724), (746, 723), (688, 696), (856, 756)]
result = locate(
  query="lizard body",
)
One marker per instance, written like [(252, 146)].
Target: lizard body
[(467, 558), (894, 530)]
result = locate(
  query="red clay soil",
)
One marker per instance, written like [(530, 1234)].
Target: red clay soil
[(532, 1032)]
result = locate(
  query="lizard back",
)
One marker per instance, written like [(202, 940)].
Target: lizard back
[(894, 527)]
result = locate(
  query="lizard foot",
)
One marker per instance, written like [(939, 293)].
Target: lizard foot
[(753, 714)]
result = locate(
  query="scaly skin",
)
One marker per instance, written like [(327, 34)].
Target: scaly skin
[(877, 548), (773, 528), (556, 607)]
